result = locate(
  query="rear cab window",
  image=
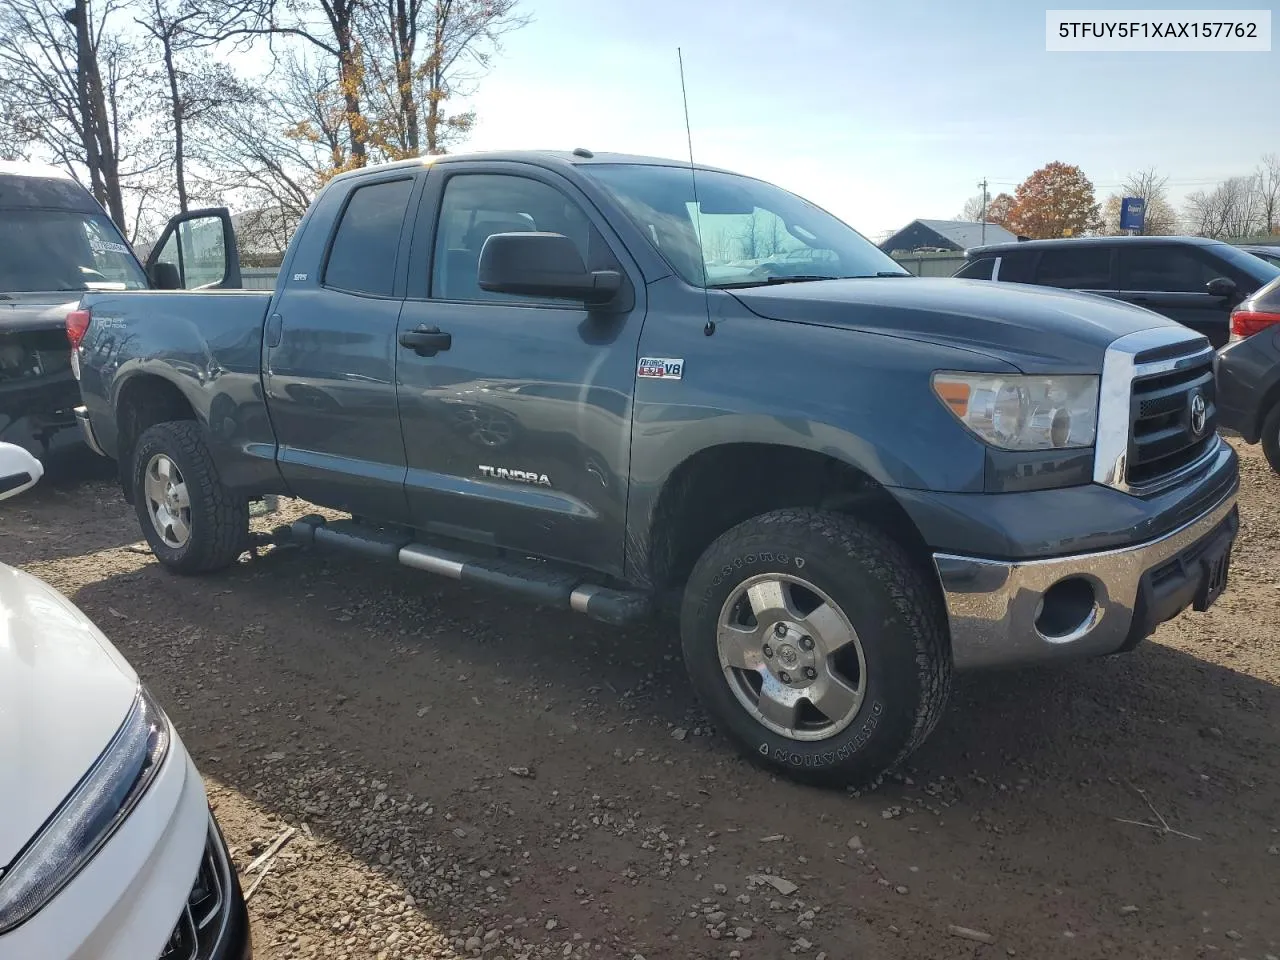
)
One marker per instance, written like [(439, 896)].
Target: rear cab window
[(362, 257), (54, 237)]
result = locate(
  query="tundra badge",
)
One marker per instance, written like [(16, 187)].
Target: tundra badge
[(520, 476)]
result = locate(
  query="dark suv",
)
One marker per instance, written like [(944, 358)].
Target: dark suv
[(1192, 280)]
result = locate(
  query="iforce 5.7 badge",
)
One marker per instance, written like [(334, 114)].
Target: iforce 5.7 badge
[(660, 368)]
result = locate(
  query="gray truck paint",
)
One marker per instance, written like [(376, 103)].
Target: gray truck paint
[(339, 414)]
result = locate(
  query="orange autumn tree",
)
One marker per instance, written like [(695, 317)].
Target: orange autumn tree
[(1055, 201)]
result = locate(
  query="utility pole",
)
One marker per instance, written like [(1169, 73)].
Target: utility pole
[(983, 184)]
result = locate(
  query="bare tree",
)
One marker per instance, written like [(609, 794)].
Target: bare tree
[(169, 28), (269, 151), (1232, 209), (328, 26), (1268, 177), (61, 76), (1159, 219), (974, 208), (420, 54)]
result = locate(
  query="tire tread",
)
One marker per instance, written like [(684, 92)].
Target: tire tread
[(909, 591), (228, 535)]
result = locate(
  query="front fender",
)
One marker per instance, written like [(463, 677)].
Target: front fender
[(862, 399)]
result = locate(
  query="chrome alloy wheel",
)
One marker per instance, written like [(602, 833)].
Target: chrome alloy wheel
[(791, 657), (168, 503)]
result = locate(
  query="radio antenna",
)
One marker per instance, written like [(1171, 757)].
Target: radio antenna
[(710, 328)]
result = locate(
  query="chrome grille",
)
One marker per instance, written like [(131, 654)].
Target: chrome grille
[(1150, 379), (197, 930), (1162, 439)]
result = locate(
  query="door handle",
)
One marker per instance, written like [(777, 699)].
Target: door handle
[(275, 329), (426, 341)]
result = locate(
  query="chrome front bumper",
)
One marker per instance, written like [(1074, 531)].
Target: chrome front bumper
[(993, 605)]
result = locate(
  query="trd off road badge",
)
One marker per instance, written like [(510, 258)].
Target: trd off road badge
[(660, 368)]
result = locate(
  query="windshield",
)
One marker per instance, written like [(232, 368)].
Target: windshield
[(1260, 269), (743, 232), (45, 250)]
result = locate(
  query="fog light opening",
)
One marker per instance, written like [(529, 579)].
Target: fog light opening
[(1067, 609)]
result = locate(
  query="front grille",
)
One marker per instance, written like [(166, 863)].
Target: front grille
[(1150, 380), (1162, 438), (200, 923)]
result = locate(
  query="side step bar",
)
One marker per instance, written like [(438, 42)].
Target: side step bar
[(529, 578)]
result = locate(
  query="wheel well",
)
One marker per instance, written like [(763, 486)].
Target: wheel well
[(718, 488), (145, 401)]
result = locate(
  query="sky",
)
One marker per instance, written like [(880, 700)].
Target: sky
[(880, 113)]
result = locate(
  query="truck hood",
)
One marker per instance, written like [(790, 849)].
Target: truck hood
[(64, 691), (35, 311), (1037, 329)]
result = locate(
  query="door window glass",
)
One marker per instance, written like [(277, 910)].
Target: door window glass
[(476, 206), (1166, 269), (1016, 267), (204, 255), (1077, 268), (363, 256), (977, 270)]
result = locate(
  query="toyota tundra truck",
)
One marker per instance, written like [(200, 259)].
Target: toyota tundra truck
[(649, 392)]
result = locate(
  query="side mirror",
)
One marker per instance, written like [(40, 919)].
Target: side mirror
[(1221, 287), (19, 470), (164, 275), (542, 265), (201, 249)]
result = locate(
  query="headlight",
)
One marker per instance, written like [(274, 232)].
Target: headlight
[(89, 815), (1023, 413)]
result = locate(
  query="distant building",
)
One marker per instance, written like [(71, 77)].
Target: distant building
[(949, 236)]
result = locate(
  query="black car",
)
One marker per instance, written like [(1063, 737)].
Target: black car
[(1248, 372), (1192, 280), (1271, 254)]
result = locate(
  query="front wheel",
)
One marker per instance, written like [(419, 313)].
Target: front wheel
[(817, 644), (193, 523)]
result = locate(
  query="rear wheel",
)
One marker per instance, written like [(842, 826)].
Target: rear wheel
[(192, 522), (817, 645), (1271, 437)]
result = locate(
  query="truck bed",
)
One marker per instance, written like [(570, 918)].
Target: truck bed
[(208, 344)]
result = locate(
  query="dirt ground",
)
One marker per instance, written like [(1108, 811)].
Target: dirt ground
[(471, 777)]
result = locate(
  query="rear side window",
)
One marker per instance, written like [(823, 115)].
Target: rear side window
[(1166, 269), (1016, 267), (977, 270), (1079, 268), (363, 256)]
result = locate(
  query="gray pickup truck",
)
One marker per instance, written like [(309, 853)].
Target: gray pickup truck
[(618, 388)]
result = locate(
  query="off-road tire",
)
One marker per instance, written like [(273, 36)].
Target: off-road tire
[(896, 612), (1271, 437), (219, 520)]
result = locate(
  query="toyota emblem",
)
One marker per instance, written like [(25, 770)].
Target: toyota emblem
[(1199, 412)]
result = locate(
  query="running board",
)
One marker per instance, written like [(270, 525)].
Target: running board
[(533, 579)]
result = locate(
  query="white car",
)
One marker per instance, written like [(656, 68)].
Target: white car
[(108, 849)]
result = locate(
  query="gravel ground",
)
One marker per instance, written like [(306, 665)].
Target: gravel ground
[(467, 777)]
